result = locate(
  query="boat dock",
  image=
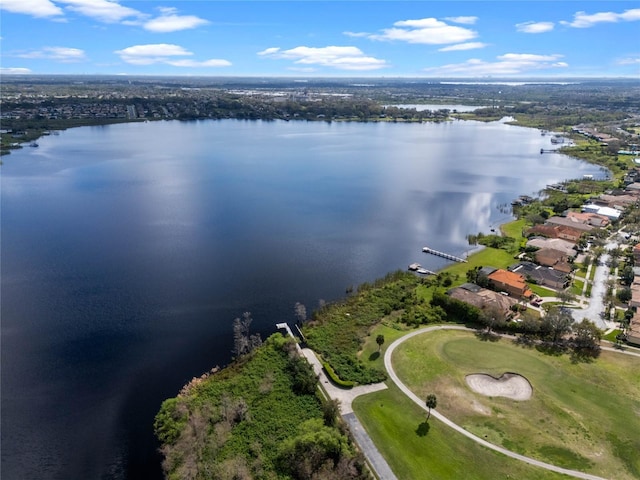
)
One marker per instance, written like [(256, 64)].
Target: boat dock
[(416, 267), (443, 255)]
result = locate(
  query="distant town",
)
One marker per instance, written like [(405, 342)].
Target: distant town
[(35, 105)]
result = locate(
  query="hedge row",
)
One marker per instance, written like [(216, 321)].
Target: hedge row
[(335, 378)]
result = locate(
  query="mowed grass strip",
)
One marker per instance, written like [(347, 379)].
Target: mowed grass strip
[(487, 257), (416, 449), (583, 416)]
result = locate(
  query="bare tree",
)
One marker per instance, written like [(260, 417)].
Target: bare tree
[(244, 343), (300, 312)]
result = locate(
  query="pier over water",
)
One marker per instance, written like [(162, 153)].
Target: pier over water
[(443, 255)]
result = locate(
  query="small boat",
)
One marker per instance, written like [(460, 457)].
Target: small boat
[(423, 271), (33, 144)]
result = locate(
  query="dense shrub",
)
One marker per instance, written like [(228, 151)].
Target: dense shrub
[(337, 331), (456, 310), (335, 378)]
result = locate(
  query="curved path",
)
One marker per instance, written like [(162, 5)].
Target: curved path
[(394, 377)]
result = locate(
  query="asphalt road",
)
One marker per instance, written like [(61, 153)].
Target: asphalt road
[(595, 310)]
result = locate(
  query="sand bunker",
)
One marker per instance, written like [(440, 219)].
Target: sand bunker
[(510, 385)]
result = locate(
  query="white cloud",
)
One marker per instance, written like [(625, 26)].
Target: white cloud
[(150, 54), (506, 65), (14, 71), (356, 34), (463, 20), (534, 27), (214, 62), (35, 8), (342, 58), (59, 54), (269, 51), (463, 46), (584, 20), (107, 11), (428, 31), (169, 21), (165, 53), (629, 61)]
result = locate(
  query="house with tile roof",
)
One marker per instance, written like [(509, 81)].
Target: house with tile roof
[(512, 283)]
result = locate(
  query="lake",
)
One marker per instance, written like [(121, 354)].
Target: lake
[(128, 250)]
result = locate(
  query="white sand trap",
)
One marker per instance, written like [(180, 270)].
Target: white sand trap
[(510, 385)]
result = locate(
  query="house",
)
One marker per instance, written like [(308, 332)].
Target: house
[(483, 298), (636, 254), (619, 202), (607, 212), (556, 231), (633, 332), (569, 222), (588, 218), (545, 276), (635, 294), (510, 282), (564, 246), (548, 257)]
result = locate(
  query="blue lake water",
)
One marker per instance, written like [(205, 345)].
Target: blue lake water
[(127, 251)]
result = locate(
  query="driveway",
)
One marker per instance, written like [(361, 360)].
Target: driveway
[(596, 309)]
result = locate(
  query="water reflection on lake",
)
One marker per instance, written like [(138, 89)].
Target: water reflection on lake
[(127, 251)]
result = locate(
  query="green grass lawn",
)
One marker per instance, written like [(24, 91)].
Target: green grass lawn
[(487, 257), (542, 291), (611, 336), (583, 416), (577, 286), (514, 229), (416, 450)]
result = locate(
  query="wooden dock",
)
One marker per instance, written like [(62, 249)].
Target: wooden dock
[(416, 267), (443, 255)]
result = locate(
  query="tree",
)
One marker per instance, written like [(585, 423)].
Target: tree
[(565, 296), (244, 343), (380, 341), (556, 323), (431, 402), (627, 275), (493, 317), (586, 339), (624, 294), (300, 312)]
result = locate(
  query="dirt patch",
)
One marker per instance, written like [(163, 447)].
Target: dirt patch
[(509, 385)]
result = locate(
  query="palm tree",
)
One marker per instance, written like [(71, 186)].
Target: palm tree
[(431, 402)]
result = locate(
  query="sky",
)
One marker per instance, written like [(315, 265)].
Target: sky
[(307, 38)]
